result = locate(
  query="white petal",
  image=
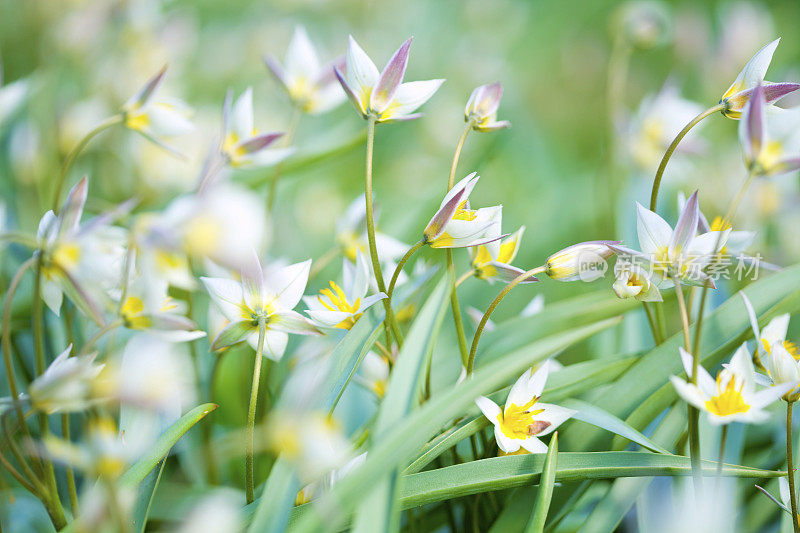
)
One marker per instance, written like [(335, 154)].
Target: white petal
[(241, 120), (224, 290), (287, 284), (533, 445), (409, 97), (489, 409), (756, 69), (688, 392), (753, 319), (554, 414), (328, 318), (775, 331), (301, 59), (518, 395), (654, 232), (361, 71), (508, 445)]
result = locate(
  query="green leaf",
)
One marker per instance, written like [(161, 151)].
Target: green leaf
[(139, 470), (444, 442), (592, 414), (277, 499), (401, 444), (377, 512), (545, 493)]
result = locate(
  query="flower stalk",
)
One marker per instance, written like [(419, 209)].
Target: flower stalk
[(790, 467), (251, 413), (399, 268)]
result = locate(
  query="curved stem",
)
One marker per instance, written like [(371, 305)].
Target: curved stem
[(455, 308), (694, 433), (390, 321), (674, 145), (97, 336), (457, 155), (499, 298), (790, 467), (75, 152), (55, 509), (322, 262), (287, 141), (651, 321), (401, 264), (251, 413)]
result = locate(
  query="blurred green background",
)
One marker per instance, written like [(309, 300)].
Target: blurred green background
[(551, 170)]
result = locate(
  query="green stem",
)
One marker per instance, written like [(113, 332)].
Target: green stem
[(251, 413), (456, 310), (401, 264), (499, 298), (673, 146), (790, 467), (390, 321), (722, 440), (457, 155), (97, 336), (71, 486), (287, 141), (651, 321), (694, 434), (75, 152), (464, 277), (55, 509)]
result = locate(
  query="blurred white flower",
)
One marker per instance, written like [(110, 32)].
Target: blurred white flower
[(771, 144), (482, 107), (147, 306), (219, 512), (313, 490), (351, 235), (242, 145), (67, 385), (312, 87)]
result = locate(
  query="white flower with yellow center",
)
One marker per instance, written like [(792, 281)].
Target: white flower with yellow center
[(524, 418), (482, 107), (147, 306), (738, 240), (374, 373), (732, 396), (679, 253), (741, 90), (492, 261), (268, 295), (771, 144), (338, 307), (242, 145), (774, 353), (634, 282), (102, 453), (312, 87), (456, 225), (156, 118), (83, 260), (351, 235), (66, 385), (383, 95)]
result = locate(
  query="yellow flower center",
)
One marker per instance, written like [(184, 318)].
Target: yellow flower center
[(131, 313), (462, 213), (137, 121), (728, 401), (517, 421), (337, 301)]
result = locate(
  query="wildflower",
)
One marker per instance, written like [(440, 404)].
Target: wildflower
[(775, 354), (740, 92), (312, 440), (147, 306), (769, 150), (659, 119), (79, 259), (482, 107), (678, 253), (102, 454), (585, 261), (375, 373), (351, 235), (311, 87), (342, 307), (737, 241), (242, 145), (383, 96), (634, 282), (524, 418), (216, 512), (455, 225), (261, 295), (492, 261), (66, 385), (153, 118), (732, 396)]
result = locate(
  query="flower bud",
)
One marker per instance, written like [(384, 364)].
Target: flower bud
[(585, 261)]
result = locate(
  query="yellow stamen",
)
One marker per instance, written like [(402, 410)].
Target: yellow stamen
[(517, 421), (728, 401), (337, 301), (462, 213)]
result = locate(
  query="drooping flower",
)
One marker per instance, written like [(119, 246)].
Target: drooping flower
[(742, 88), (524, 419), (268, 295), (455, 225), (156, 118), (771, 144), (492, 261), (66, 385), (341, 307), (242, 145), (732, 396), (679, 253), (383, 95), (584, 261), (635, 282), (312, 87), (775, 354), (482, 106)]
